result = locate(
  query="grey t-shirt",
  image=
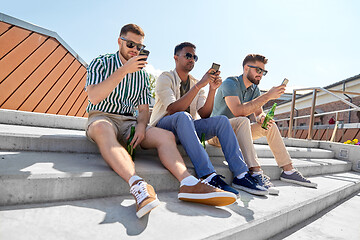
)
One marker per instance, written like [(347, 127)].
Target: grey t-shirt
[(233, 86)]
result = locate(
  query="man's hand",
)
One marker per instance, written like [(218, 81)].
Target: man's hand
[(135, 64), (276, 92), (260, 119), (217, 82), (139, 135), (208, 77)]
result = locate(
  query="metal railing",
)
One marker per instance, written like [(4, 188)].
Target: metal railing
[(312, 110)]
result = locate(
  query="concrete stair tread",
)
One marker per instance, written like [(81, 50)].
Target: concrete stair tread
[(30, 177), (114, 218), (65, 140), (20, 162)]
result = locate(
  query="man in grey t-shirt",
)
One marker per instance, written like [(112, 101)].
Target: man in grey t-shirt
[(239, 97)]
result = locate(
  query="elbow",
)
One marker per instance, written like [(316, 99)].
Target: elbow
[(170, 109), (93, 99)]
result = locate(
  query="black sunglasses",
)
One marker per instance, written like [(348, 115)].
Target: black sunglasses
[(259, 70), (190, 56), (131, 44)]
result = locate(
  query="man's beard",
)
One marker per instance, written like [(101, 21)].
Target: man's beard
[(124, 55), (252, 79), (189, 67)]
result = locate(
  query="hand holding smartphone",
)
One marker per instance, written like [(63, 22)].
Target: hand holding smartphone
[(285, 81), (144, 52), (216, 67)]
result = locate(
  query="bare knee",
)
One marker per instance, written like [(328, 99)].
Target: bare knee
[(100, 128), (165, 138)]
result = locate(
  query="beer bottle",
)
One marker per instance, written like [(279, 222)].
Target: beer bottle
[(203, 140), (130, 148), (268, 117)]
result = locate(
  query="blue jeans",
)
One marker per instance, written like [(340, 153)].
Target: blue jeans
[(187, 130)]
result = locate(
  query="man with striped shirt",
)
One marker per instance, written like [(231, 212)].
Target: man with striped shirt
[(116, 84)]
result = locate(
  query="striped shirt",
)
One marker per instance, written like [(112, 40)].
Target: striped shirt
[(132, 91)]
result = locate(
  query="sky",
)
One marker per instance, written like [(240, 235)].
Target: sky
[(313, 43)]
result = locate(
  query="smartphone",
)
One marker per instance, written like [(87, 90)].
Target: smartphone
[(285, 81), (145, 53), (216, 67)]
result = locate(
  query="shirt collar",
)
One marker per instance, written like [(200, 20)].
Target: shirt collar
[(118, 60), (178, 79), (241, 81)]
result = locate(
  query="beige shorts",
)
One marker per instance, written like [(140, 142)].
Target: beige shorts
[(121, 124)]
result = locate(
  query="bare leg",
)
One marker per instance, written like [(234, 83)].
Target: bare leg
[(164, 142), (113, 153)]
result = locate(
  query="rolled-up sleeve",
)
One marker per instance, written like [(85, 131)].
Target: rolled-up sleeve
[(201, 99), (164, 91)]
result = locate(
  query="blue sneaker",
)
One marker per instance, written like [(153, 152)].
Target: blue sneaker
[(216, 181), (264, 181), (249, 184)]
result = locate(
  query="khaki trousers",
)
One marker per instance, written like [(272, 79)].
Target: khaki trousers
[(246, 132)]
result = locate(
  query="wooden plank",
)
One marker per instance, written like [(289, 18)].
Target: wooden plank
[(4, 27), (73, 94), (19, 54), (57, 69), (318, 134), (57, 88), (79, 102), (21, 94), (350, 134), (78, 96), (25, 70), (82, 108), (327, 135), (11, 38), (298, 133), (58, 103), (304, 134), (84, 113)]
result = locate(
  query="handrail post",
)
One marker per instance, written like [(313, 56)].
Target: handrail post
[(290, 135), (312, 111), (335, 128)]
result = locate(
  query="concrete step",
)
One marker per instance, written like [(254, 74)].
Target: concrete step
[(16, 117), (331, 223), (29, 138), (29, 177), (114, 218)]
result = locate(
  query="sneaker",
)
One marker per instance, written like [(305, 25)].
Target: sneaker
[(264, 181), (249, 184), (297, 178), (204, 193), (216, 181), (145, 197)]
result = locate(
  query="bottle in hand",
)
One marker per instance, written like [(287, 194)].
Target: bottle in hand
[(129, 147), (268, 117)]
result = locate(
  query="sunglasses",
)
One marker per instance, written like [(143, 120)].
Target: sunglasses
[(131, 44), (190, 56), (259, 70)]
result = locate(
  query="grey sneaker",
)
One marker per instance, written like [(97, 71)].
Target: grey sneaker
[(264, 181), (297, 178)]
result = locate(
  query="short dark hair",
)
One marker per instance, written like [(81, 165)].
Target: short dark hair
[(180, 46), (254, 58), (132, 28)]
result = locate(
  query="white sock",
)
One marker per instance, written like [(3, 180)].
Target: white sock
[(240, 176), (289, 172), (208, 179), (133, 179), (257, 173), (189, 181)]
